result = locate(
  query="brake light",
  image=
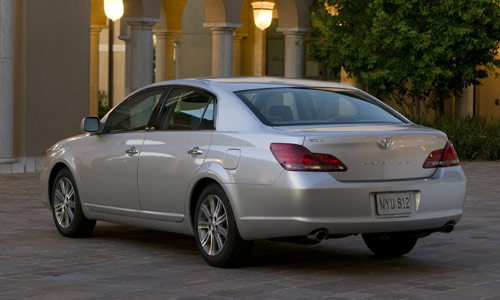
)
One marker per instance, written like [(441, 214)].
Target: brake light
[(446, 157), (298, 158)]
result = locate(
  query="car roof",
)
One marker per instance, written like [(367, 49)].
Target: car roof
[(234, 84)]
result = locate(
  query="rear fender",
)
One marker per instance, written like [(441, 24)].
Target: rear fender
[(214, 172)]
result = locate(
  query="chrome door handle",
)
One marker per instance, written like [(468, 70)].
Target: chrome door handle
[(132, 151), (195, 151)]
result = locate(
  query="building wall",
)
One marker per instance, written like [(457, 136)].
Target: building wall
[(247, 45), (195, 55), (118, 64), (254, 46), (487, 102), (52, 59), (51, 72)]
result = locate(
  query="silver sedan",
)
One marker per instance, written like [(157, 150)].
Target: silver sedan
[(232, 160)]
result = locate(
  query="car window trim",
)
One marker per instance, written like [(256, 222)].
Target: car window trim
[(204, 112), (165, 101), (155, 111)]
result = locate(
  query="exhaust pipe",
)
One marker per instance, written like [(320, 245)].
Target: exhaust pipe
[(448, 228), (318, 235)]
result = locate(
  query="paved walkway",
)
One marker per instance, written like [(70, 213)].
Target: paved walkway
[(133, 263)]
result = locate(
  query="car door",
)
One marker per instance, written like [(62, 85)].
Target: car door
[(109, 161), (173, 152)]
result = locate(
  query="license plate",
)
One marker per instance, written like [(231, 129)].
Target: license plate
[(394, 203)]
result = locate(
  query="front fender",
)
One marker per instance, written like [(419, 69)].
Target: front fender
[(66, 153)]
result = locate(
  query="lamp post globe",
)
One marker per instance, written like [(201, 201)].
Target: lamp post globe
[(113, 9)]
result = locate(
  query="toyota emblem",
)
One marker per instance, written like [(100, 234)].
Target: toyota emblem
[(386, 143)]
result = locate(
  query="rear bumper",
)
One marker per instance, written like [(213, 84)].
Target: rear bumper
[(301, 202)]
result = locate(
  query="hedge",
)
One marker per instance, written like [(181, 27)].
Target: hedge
[(474, 138)]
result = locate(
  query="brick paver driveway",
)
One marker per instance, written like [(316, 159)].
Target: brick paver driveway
[(134, 263)]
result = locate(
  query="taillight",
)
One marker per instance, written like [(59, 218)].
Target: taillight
[(446, 157), (297, 158)]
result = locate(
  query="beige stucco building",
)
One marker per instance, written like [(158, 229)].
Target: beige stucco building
[(54, 60)]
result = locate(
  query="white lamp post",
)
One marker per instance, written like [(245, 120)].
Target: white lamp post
[(113, 9), (263, 13)]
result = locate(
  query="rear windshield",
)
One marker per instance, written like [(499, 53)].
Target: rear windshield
[(299, 106)]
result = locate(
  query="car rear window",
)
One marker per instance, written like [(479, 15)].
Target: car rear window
[(299, 106)]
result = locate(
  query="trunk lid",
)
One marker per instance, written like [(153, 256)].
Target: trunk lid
[(375, 152)]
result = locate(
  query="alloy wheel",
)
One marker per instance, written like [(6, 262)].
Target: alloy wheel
[(212, 225), (64, 202)]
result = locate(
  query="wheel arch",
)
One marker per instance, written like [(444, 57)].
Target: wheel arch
[(210, 172), (197, 189), (53, 173)]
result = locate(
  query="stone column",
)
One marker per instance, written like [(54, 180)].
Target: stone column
[(294, 52), (165, 55), (125, 36), (141, 51), (222, 51), (465, 103), (237, 39), (178, 59), (259, 47), (94, 69), (222, 48), (6, 81)]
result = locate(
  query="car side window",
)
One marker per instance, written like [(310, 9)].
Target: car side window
[(135, 113), (187, 109)]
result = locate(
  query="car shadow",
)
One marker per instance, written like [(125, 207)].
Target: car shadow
[(336, 254)]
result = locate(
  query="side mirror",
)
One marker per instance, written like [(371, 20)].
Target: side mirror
[(90, 125)]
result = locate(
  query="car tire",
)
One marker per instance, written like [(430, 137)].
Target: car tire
[(217, 236), (66, 207), (389, 244)]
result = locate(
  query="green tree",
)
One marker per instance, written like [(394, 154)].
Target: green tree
[(417, 52)]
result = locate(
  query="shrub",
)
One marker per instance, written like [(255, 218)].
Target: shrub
[(103, 103), (415, 52), (474, 138)]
